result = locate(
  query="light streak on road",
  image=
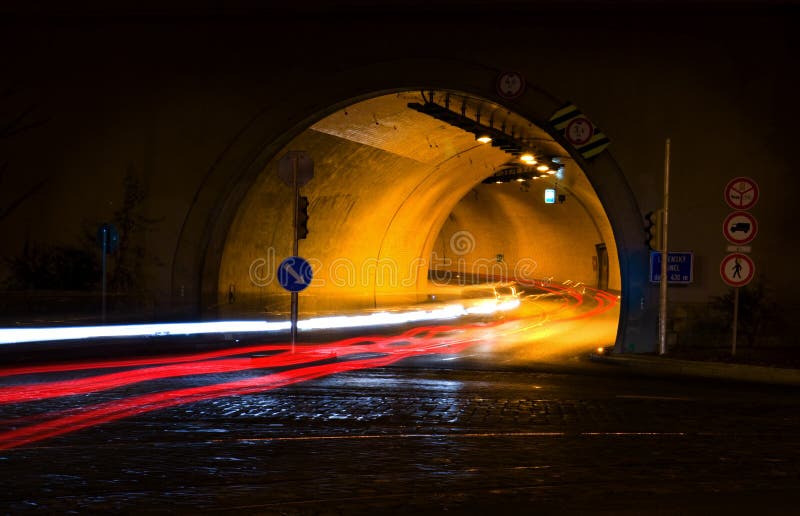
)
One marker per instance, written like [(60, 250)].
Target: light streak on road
[(376, 319), (277, 365), (381, 351)]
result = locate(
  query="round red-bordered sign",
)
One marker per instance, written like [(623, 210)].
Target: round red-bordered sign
[(510, 85), (737, 269), (579, 131), (741, 193), (740, 227)]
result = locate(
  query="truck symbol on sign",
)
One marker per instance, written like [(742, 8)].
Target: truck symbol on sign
[(744, 227)]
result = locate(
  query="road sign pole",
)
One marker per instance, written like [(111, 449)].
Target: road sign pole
[(735, 318), (662, 316), (294, 319), (295, 169), (105, 251), (296, 201)]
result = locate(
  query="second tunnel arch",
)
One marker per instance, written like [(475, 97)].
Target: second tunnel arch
[(623, 212)]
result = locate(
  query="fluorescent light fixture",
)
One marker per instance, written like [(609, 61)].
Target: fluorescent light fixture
[(484, 138), (528, 158), (543, 168)]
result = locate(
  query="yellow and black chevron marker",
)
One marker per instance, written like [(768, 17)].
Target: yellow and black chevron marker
[(579, 131)]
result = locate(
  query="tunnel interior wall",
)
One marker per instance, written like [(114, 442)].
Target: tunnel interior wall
[(508, 230), (370, 215)]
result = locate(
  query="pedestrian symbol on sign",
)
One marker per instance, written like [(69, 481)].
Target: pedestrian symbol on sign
[(737, 270)]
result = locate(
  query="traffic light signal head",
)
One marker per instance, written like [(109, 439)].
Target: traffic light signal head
[(302, 217), (653, 226)]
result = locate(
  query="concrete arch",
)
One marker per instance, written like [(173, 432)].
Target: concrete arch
[(198, 255)]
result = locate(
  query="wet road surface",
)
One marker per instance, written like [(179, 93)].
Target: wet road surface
[(420, 436)]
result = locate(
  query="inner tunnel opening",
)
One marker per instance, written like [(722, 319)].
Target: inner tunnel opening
[(407, 207)]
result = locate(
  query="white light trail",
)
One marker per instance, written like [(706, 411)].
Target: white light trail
[(381, 318), (490, 307), (19, 335)]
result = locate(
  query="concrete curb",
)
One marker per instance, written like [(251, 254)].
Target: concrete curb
[(660, 366)]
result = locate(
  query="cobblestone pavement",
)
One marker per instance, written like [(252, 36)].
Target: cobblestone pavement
[(427, 440)]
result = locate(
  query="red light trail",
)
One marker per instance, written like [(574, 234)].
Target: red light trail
[(309, 361)]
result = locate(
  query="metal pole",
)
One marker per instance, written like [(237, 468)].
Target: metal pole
[(296, 196), (104, 251), (662, 318), (735, 318)]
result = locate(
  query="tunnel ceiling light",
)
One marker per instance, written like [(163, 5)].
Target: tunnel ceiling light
[(509, 174), (507, 143), (515, 145)]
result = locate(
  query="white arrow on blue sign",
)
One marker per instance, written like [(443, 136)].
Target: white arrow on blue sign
[(294, 274)]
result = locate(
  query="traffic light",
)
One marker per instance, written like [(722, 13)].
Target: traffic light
[(302, 217), (654, 221)]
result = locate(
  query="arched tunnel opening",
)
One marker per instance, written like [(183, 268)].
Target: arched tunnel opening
[(408, 206)]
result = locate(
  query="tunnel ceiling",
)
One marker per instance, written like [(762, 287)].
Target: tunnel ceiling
[(388, 123)]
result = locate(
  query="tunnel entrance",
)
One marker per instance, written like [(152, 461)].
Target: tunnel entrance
[(401, 199), (225, 240)]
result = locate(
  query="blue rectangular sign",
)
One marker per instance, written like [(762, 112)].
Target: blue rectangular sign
[(679, 267)]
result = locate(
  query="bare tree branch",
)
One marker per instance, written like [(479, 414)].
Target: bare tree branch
[(13, 122), (7, 210), (20, 123)]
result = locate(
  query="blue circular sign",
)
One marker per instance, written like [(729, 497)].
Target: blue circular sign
[(294, 274)]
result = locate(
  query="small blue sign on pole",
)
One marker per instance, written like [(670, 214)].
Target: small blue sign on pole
[(108, 237), (294, 274), (680, 267)]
